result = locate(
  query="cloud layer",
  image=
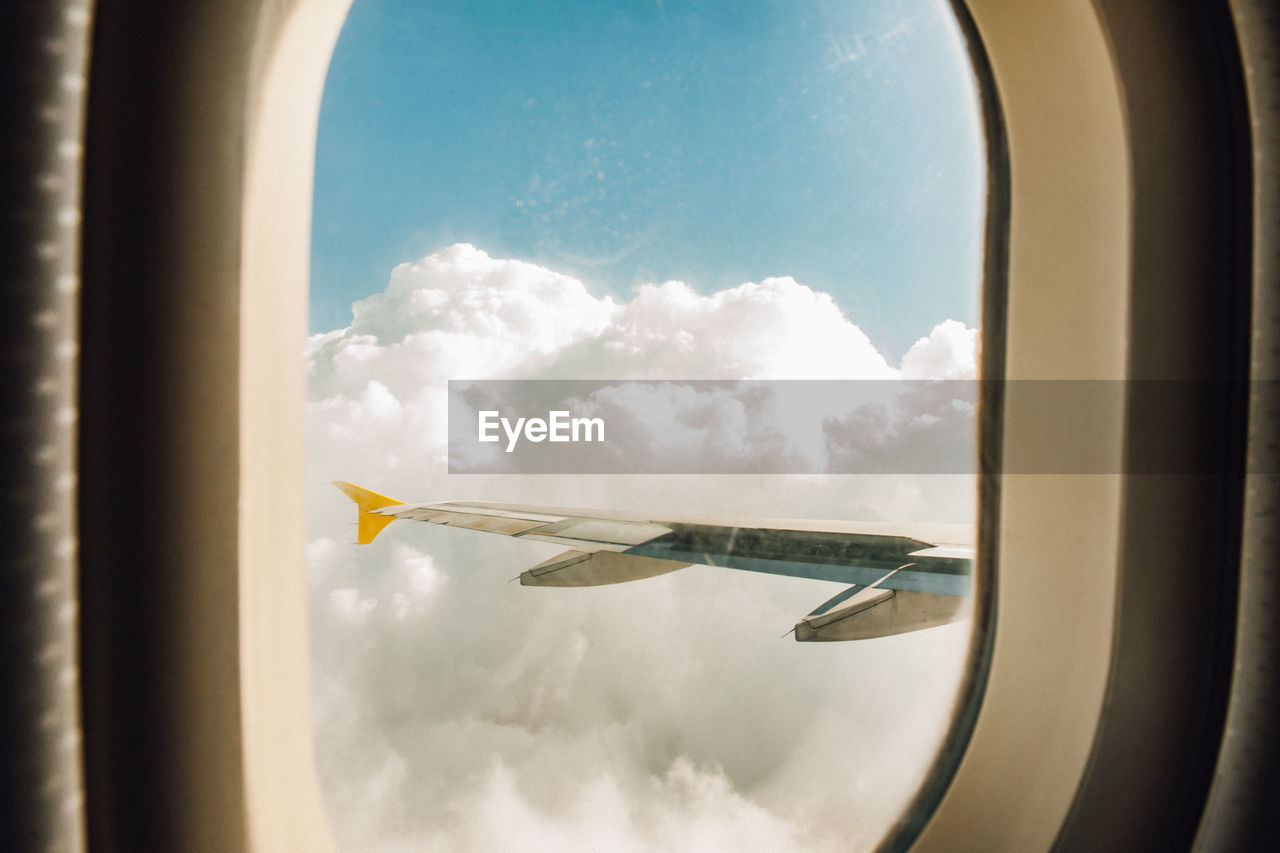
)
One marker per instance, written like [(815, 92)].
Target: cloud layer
[(455, 711)]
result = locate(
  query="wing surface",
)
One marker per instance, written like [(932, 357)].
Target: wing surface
[(896, 583)]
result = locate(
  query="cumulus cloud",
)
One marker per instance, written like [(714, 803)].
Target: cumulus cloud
[(460, 314), (771, 330), (949, 351), (457, 711)]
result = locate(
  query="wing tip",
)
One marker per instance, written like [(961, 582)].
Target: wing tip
[(367, 500)]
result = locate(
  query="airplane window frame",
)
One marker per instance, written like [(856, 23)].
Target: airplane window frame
[(1184, 275), (200, 610)]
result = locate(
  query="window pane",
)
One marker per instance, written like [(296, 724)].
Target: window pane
[(637, 191)]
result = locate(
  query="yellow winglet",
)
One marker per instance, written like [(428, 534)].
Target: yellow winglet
[(366, 500)]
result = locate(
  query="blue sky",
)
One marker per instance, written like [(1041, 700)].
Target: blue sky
[(713, 142)]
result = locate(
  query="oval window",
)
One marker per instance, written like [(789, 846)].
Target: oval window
[(704, 225)]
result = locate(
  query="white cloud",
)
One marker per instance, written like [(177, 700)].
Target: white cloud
[(378, 384), (683, 809), (775, 329), (350, 606), (456, 313), (950, 351), (457, 711)]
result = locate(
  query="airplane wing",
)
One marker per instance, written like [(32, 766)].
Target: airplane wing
[(896, 583)]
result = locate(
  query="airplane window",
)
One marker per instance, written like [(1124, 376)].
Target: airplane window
[(747, 238)]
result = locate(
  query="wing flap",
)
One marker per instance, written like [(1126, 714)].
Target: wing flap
[(596, 568), (868, 596), (881, 613)]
